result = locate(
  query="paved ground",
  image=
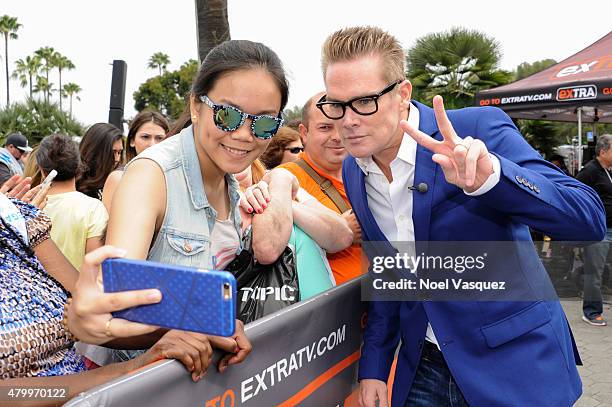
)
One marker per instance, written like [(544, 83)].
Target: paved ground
[(595, 346)]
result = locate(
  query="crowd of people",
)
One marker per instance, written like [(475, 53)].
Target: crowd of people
[(186, 193), (188, 201)]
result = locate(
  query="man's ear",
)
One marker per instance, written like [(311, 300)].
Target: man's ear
[(303, 133), (194, 109), (405, 90)]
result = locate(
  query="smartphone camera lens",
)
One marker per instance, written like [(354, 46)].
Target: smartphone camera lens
[(227, 291)]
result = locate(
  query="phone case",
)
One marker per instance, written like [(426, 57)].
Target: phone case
[(192, 299)]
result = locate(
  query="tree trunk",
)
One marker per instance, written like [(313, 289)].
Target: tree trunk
[(48, 87), (71, 105), (30, 86), (212, 25), (60, 88), (8, 100)]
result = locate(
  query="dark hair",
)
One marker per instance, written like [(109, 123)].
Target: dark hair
[(58, 152), (273, 155), (98, 157), (235, 55), (137, 122)]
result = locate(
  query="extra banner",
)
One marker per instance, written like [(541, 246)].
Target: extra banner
[(306, 355)]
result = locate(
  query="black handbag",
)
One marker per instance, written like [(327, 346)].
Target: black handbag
[(263, 288)]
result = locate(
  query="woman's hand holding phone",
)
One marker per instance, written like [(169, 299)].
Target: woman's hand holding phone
[(89, 316)]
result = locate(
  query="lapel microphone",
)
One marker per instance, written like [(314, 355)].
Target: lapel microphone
[(422, 188)]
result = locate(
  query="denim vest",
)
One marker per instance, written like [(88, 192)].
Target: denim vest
[(184, 237)]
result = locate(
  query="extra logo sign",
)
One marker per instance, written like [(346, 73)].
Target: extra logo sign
[(576, 93), (604, 63)]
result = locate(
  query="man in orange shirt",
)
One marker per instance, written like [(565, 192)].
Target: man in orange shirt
[(320, 165)]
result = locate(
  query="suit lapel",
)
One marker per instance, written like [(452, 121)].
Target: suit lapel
[(372, 228), (425, 172)]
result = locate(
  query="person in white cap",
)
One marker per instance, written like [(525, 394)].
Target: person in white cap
[(15, 146)]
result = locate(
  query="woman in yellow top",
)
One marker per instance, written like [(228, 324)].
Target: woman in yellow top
[(78, 220)]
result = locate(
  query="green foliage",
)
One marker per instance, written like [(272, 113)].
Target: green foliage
[(43, 86), (167, 92), (541, 135), (8, 28), (454, 64), (525, 69), (71, 90), (26, 70), (36, 119), (295, 113), (47, 56), (160, 61), (62, 63)]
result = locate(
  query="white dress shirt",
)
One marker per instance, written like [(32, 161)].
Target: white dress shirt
[(391, 202)]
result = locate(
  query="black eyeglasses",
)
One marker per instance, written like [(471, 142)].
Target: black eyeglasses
[(362, 105), (230, 118), (295, 150)]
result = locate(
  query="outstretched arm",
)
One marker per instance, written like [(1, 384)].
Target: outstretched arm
[(531, 190), (323, 225)]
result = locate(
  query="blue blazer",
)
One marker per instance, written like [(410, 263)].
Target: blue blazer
[(500, 353)]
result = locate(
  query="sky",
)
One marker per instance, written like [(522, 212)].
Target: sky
[(94, 33)]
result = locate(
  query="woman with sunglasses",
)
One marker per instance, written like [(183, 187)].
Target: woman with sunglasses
[(285, 147), (187, 198)]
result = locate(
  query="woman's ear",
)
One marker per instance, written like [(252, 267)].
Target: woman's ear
[(194, 109)]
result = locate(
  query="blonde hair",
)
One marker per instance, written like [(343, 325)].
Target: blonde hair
[(356, 42), (32, 169)]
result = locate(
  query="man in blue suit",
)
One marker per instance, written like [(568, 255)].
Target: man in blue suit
[(483, 183)]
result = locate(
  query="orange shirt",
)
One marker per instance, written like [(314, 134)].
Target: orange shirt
[(345, 264)]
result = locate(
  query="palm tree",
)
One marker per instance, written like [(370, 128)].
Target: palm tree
[(25, 70), (8, 27), (46, 54), (455, 64), (212, 25), (61, 63), (160, 61), (71, 89), (44, 86)]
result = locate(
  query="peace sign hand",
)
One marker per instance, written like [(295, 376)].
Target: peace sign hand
[(465, 162)]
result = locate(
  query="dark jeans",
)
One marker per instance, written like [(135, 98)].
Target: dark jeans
[(594, 261), (433, 384)]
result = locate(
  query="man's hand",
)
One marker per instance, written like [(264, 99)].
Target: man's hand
[(466, 162), (351, 220), (371, 390), (192, 349)]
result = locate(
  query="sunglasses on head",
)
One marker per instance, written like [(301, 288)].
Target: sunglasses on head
[(230, 118), (295, 150)]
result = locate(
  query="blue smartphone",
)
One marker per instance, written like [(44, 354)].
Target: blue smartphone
[(192, 299)]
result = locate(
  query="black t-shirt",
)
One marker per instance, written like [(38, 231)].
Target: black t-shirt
[(594, 175)]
